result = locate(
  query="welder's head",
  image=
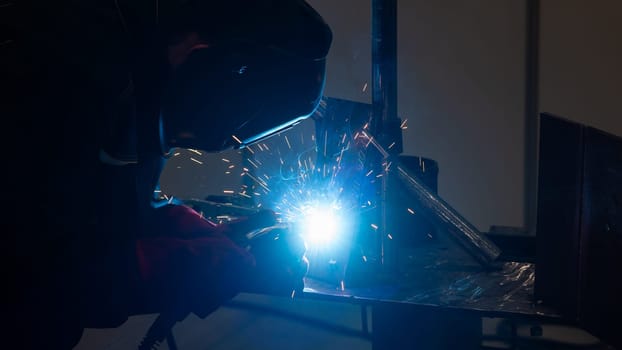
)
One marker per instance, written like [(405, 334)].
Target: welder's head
[(251, 69), (280, 259)]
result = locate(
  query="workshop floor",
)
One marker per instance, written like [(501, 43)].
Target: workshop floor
[(279, 323)]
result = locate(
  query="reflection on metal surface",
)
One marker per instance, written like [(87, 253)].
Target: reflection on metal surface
[(440, 276), (469, 238), (508, 288)]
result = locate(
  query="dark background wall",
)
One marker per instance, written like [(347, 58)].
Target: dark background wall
[(581, 61)]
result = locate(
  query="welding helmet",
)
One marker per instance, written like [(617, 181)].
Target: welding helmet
[(262, 71)]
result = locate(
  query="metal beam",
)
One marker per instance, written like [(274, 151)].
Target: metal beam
[(532, 42)]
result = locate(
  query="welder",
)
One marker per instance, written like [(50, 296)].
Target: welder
[(102, 92)]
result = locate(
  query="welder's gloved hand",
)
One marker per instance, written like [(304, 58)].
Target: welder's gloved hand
[(190, 265), (237, 229), (280, 261), (262, 218)]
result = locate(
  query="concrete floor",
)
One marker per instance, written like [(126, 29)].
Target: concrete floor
[(258, 322), (271, 323)]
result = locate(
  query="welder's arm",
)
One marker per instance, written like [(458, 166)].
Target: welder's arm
[(193, 265), (179, 220), (238, 228)]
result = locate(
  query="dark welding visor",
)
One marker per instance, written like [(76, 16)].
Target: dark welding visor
[(239, 90)]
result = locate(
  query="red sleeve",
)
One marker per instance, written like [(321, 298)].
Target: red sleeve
[(191, 275), (164, 259)]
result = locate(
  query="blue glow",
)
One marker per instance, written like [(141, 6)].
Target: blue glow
[(315, 183), (321, 225)]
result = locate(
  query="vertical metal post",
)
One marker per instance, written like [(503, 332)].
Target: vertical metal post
[(384, 66), (532, 39), (385, 126)]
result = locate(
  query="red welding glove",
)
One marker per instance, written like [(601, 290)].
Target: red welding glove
[(189, 265), (184, 222), (179, 221), (238, 228)]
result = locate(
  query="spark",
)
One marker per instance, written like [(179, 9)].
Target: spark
[(196, 160), (411, 211), (292, 179), (389, 235), (195, 151), (325, 142), (226, 160), (343, 286), (378, 147), (176, 154), (253, 164), (364, 258), (228, 191), (365, 87), (374, 226), (258, 181), (236, 139), (391, 145), (403, 125), (231, 166)]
